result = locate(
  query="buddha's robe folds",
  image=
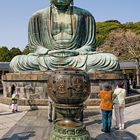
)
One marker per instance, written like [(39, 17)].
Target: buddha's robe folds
[(59, 40)]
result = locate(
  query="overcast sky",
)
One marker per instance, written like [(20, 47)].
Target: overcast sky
[(15, 14)]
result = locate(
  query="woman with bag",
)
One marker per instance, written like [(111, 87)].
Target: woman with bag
[(119, 105)]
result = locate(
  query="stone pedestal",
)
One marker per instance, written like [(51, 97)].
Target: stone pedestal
[(99, 78), (33, 84)]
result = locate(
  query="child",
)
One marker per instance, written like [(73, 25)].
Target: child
[(15, 98)]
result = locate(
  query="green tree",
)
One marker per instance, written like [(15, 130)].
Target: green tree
[(5, 55), (26, 50), (121, 42), (15, 51), (104, 28)]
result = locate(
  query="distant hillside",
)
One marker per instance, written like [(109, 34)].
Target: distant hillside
[(123, 40), (104, 28)]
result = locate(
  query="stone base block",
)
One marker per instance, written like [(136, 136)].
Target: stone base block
[(33, 85), (130, 100)]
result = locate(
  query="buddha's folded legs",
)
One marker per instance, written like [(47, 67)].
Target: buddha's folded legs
[(102, 62), (53, 63), (24, 63), (92, 62)]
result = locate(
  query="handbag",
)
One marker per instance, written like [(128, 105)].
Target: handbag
[(115, 97)]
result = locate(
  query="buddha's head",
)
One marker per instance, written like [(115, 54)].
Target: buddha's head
[(61, 4)]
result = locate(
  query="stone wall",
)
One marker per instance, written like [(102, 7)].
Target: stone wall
[(99, 78), (33, 85)]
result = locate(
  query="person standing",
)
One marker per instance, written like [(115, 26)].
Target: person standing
[(51, 111), (119, 105), (13, 88), (106, 107), (15, 98), (134, 83)]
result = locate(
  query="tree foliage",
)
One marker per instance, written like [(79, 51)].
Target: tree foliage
[(15, 51), (26, 50), (5, 55), (104, 28), (126, 45), (122, 42)]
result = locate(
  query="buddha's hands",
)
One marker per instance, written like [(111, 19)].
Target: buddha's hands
[(41, 50), (63, 53), (84, 50), (81, 52)]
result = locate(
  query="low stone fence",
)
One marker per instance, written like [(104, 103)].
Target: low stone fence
[(130, 100)]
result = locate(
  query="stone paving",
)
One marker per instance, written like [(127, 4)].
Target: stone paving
[(33, 125)]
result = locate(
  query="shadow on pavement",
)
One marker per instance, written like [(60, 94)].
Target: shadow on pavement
[(6, 113), (9, 113), (93, 122), (116, 135), (21, 136), (129, 123), (90, 113)]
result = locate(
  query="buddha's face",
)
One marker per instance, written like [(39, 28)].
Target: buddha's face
[(61, 3)]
